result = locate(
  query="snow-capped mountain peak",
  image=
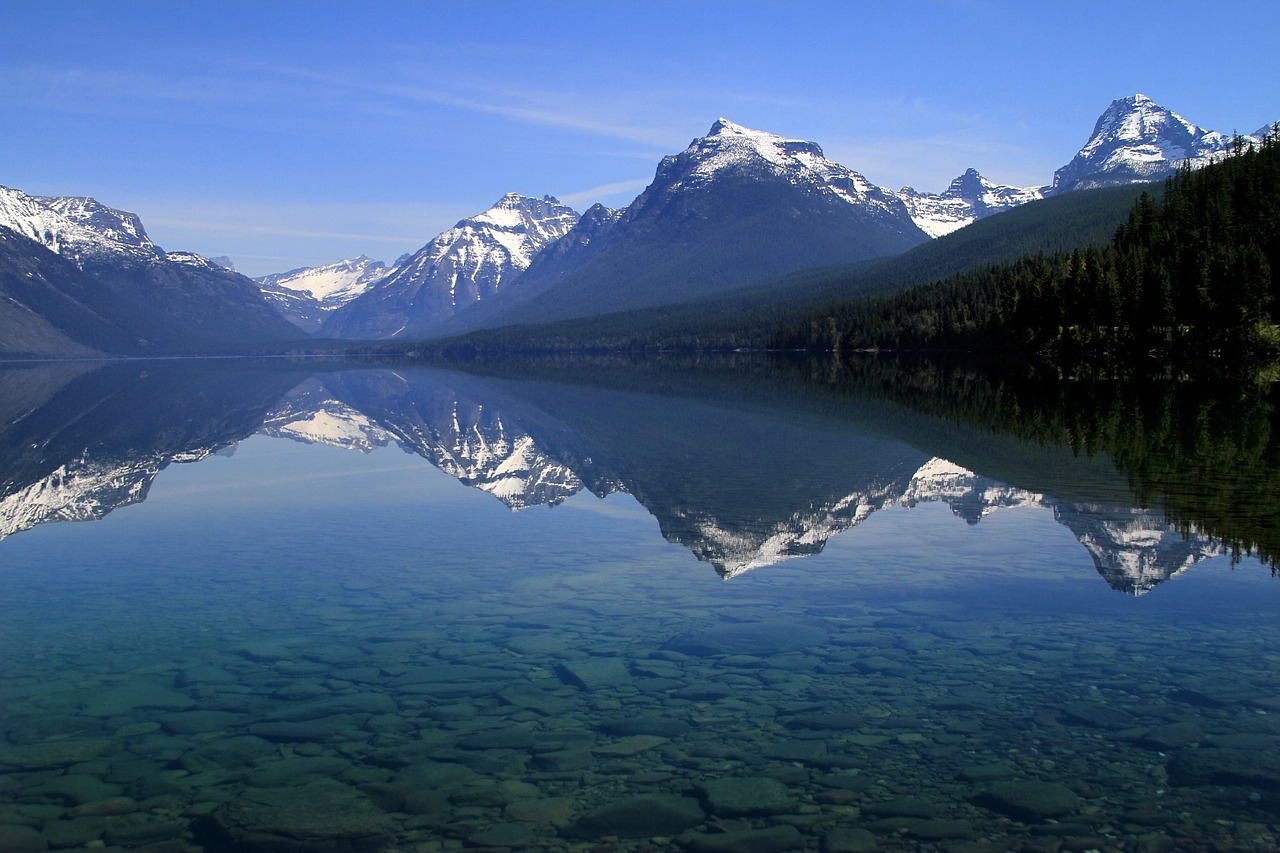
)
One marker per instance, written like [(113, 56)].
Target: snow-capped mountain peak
[(1138, 120), (474, 257), (728, 141), (118, 225), (731, 149), (1136, 139), (467, 263), (75, 227), (970, 197), (332, 284), (305, 296)]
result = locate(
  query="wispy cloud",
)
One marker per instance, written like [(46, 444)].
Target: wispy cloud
[(242, 227), (622, 115), (281, 93), (605, 191)]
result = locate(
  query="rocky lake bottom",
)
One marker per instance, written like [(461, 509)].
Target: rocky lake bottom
[(222, 669)]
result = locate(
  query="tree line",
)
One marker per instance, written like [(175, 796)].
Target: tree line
[(1193, 271)]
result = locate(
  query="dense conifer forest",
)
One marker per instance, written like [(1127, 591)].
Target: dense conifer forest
[(1190, 272)]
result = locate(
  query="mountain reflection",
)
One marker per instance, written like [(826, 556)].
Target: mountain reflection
[(744, 469)]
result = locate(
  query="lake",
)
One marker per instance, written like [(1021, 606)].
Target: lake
[(714, 606)]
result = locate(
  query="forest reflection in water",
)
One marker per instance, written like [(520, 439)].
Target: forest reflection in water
[(740, 462), (304, 650)]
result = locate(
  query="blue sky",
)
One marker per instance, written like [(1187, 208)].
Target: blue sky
[(290, 134)]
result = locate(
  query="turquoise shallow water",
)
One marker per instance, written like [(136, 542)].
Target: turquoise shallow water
[(343, 646)]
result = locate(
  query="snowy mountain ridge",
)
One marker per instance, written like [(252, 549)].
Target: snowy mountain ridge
[(332, 285), (307, 295), (969, 198), (730, 148), (481, 251), (76, 228), (84, 229), (467, 263), (1136, 139), (120, 226)]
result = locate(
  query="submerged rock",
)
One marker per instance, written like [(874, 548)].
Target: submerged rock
[(850, 840), (51, 754), (659, 726), (119, 701), (774, 839), (1099, 715), (594, 673), (15, 837), (827, 722), (642, 816), (231, 753), (1032, 800), (902, 807), (322, 816), (348, 703), (1210, 766), (76, 789), (745, 797)]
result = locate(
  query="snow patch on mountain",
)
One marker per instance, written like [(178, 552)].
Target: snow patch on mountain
[(331, 285), (468, 263), (475, 257), (729, 148), (75, 238), (1136, 139), (191, 259), (119, 226), (969, 198)]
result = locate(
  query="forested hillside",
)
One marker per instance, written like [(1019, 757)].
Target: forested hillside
[(1191, 271)]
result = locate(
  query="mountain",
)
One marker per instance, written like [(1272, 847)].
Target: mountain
[(735, 206), (118, 226), (574, 249), (90, 230), (969, 198), (127, 295), (307, 295), (715, 216), (49, 307), (1134, 140), (471, 262)]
